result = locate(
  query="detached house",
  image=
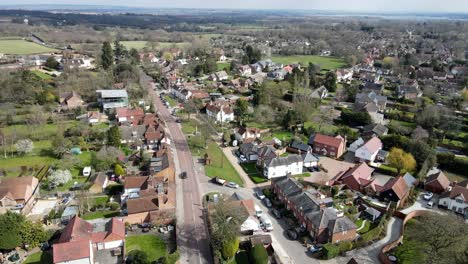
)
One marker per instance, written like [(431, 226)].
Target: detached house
[(18, 194), (356, 178), (328, 146), (371, 103), (369, 150), (247, 134), (408, 92), (344, 75), (283, 166), (220, 113), (456, 199), (244, 70), (219, 76), (437, 182), (395, 190), (129, 115), (70, 100)]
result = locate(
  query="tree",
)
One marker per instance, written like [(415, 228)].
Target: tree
[(330, 81), (420, 150), (52, 63), (419, 133), (259, 255), (119, 49), (10, 228), (167, 56), (241, 108), (429, 117), (32, 234), (113, 136), (138, 257), (355, 118), (107, 56), (60, 145), (105, 157), (401, 160), (24, 146), (226, 221), (118, 170), (134, 55), (230, 248), (251, 55), (59, 177)]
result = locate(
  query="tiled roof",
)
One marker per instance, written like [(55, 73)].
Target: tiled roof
[(456, 191), (373, 145), (143, 204), (136, 182), (288, 185), (64, 252), (360, 172), (326, 140), (398, 185), (77, 229), (440, 177), (20, 188)]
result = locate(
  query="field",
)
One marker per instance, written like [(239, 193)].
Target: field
[(328, 63), (252, 171), (223, 65), (22, 47), (152, 245), (140, 44), (220, 165), (42, 75)]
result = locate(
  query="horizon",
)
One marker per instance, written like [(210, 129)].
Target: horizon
[(356, 6)]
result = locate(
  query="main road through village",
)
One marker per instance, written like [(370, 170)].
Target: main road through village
[(192, 235)]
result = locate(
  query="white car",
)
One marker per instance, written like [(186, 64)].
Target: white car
[(430, 204), (242, 158), (232, 185), (260, 195), (428, 196)]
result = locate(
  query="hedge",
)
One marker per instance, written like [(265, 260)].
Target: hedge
[(330, 251), (259, 255)]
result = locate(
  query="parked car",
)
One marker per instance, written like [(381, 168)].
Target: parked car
[(292, 234), (242, 158), (232, 185), (276, 213), (260, 195), (177, 120), (86, 171), (428, 196), (267, 202), (183, 175), (430, 204), (258, 210), (315, 248), (66, 200), (265, 223), (219, 181)]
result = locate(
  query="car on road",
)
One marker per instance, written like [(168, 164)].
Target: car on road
[(260, 195), (183, 175), (276, 213), (315, 248), (267, 202), (428, 196), (232, 185)]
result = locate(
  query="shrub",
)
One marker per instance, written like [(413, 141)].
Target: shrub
[(330, 251), (113, 206), (345, 246), (259, 255), (229, 248), (267, 192)]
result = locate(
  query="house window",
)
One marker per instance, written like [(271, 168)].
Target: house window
[(459, 200)]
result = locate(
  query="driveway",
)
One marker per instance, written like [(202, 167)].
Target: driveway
[(229, 153)]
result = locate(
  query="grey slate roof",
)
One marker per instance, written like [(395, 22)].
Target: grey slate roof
[(299, 146), (112, 93), (342, 224), (248, 148), (377, 129), (288, 185), (284, 161), (309, 157), (132, 132)]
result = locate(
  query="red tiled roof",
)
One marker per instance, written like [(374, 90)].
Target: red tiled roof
[(143, 204), (136, 182), (74, 250), (361, 172), (77, 229), (458, 190), (128, 112), (328, 140), (398, 185)]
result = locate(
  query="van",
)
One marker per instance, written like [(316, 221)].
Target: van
[(265, 222), (86, 171), (258, 210)]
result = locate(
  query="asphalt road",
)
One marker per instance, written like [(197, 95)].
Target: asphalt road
[(192, 238)]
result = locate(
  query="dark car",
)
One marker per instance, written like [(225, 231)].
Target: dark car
[(178, 121), (292, 234), (183, 175), (276, 213)]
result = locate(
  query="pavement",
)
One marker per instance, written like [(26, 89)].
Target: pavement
[(192, 237)]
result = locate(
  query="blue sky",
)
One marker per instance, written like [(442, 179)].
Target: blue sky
[(342, 5)]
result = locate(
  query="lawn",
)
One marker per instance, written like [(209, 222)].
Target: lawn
[(22, 47), (284, 136), (223, 65), (152, 245), (39, 258), (100, 214), (38, 132), (403, 123), (172, 102), (324, 128), (220, 165), (366, 227), (42, 75), (253, 173), (189, 127), (329, 63)]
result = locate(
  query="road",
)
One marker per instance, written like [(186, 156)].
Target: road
[(192, 238)]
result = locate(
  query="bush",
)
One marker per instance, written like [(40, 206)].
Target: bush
[(330, 251), (229, 248), (345, 246), (259, 255), (267, 192), (114, 189), (113, 206)]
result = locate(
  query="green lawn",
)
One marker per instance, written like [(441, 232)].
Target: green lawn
[(140, 44), (253, 173), (220, 165), (172, 102), (42, 75), (152, 245), (329, 63), (403, 123), (222, 65), (324, 128), (284, 136), (22, 47), (100, 214), (366, 227), (40, 132), (39, 258), (189, 127)]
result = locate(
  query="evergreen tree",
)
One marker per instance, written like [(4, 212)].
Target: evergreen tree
[(330, 81), (107, 56), (113, 137)]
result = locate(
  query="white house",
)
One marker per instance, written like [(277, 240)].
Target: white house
[(222, 113), (247, 133), (310, 160), (344, 75), (356, 144), (282, 166), (368, 151), (456, 199), (181, 93), (245, 70)]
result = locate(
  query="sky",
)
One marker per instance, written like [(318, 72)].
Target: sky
[(460, 6)]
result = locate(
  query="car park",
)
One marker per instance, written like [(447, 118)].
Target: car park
[(267, 202), (260, 195), (232, 185), (428, 196)]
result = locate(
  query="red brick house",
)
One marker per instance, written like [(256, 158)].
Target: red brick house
[(395, 190), (328, 146), (437, 182)]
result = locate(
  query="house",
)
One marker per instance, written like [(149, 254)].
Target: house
[(310, 160), (355, 145), (99, 183), (344, 75), (132, 135), (369, 87), (371, 214), (130, 115), (436, 182), (298, 147), (456, 199), (219, 76), (319, 93), (181, 93), (409, 179), (363, 99), (328, 146), (220, 113), (94, 117), (368, 151), (256, 67), (395, 190), (374, 130), (355, 178), (68, 213), (83, 242), (408, 92), (381, 155), (249, 150), (18, 194), (244, 70), (277, 75), (247, 134), (282, 166), (111, 99), (70, 100), (369, 77), (264, 155)]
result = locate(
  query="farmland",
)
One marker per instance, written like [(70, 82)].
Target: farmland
[(140, 44), (21, 47), (328, 63)]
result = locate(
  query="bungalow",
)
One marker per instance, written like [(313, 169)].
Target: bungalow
[(369, 150), (456, 199), (83, 242), (18, 194), (327, 145), (282, 166), (437, 182), (130, 115)]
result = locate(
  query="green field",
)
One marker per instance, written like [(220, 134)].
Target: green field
[(42, 75), (328, 63), (223, 65), (140, 44), (220, 165), (22, 47), (152, 245)]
